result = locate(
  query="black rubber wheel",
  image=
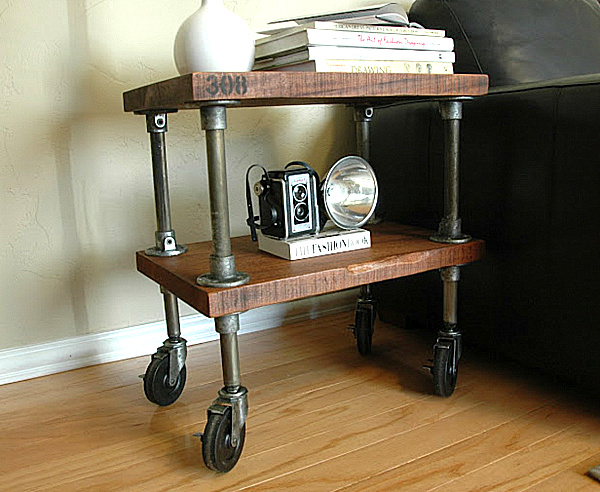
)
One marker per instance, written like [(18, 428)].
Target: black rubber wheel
[(218, 453), (363, 330), (444, 371), (156, 382)]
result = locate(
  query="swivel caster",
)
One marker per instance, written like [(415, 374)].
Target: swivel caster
[(156, 381), (446, 353), (218, 451), (364, 322), (225, 431)]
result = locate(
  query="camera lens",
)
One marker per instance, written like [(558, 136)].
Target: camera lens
[(301, 212), (300, 193)]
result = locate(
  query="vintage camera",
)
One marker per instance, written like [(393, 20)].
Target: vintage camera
[(288, 202), (293, 202)]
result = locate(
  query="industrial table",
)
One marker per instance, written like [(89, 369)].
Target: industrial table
[(223, 277)]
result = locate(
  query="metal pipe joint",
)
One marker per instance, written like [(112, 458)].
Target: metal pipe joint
[(213, 118), (450, 274), (451, 110), (156, 122)]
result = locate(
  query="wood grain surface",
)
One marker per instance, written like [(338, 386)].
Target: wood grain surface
[(284, 88), (396, 251)]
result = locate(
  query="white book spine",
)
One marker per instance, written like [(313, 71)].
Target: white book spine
[(379, 40), (352, 39), (313, 246), (366, 66), (275, 33), (341, 53)]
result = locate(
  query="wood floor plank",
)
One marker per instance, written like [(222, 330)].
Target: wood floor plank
[(566, 481), (533, 464), (574, 479), (459, 459)]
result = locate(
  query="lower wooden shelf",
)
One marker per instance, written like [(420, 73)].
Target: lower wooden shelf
[(396, 251)]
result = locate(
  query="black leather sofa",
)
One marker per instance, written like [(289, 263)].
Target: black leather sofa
[(530, 182)]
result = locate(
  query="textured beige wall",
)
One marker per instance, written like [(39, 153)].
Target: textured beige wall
[(75, 177)]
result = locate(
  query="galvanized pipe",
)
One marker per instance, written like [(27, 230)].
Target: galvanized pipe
[(451, 162), (362, 118), (449, 230), (165, 243), (156, 125), (450, 277), (222, 262), (161, 187), (450, 304), (227, 327), (214, 123), (172, 315)]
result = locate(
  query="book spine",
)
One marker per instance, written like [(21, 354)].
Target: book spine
[(330, 245), (361, 54), (378, 40), (374, 28), (312, 37), (362, 66), (309, 247)]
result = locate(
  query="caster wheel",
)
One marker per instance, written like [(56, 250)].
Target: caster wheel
[(156, 382), (444, 370), (363, 329), (218, 453)]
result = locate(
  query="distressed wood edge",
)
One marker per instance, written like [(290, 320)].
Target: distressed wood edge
[(188, 91), (213, 302)]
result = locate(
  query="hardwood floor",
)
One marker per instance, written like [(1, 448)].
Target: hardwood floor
[(321, 418)]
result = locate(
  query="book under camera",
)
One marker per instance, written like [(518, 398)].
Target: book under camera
[(328, 241)]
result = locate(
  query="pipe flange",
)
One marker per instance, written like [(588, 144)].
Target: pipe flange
[(211, 280), (458, 239)]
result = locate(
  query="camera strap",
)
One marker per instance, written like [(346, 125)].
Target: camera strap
[(251, 220)]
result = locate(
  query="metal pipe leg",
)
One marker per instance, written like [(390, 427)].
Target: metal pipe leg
[(448, 347), (449, 230), (222, 262), (364, 319), (169, 359), (175, 345), (166, 245), (362, 119), (233, 394), (223, 274), (450, 277)]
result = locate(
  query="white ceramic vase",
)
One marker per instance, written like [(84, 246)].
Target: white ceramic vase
[(214, 39)]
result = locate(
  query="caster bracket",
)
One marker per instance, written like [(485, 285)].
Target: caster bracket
[(176, 350), (452, 341), (238, 401)]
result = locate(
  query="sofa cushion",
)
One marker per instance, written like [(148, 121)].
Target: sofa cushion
[(518, 41)]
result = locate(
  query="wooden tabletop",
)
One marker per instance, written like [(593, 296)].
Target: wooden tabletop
[(288, 88), (396, 251)]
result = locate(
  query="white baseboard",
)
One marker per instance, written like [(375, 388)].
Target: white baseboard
[(64, 355)]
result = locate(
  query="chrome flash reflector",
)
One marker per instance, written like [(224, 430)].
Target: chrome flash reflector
[(350, 192)]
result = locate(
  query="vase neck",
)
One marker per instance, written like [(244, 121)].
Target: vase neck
[(211, 3)]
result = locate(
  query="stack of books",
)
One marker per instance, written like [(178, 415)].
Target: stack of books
[(355, 42)]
